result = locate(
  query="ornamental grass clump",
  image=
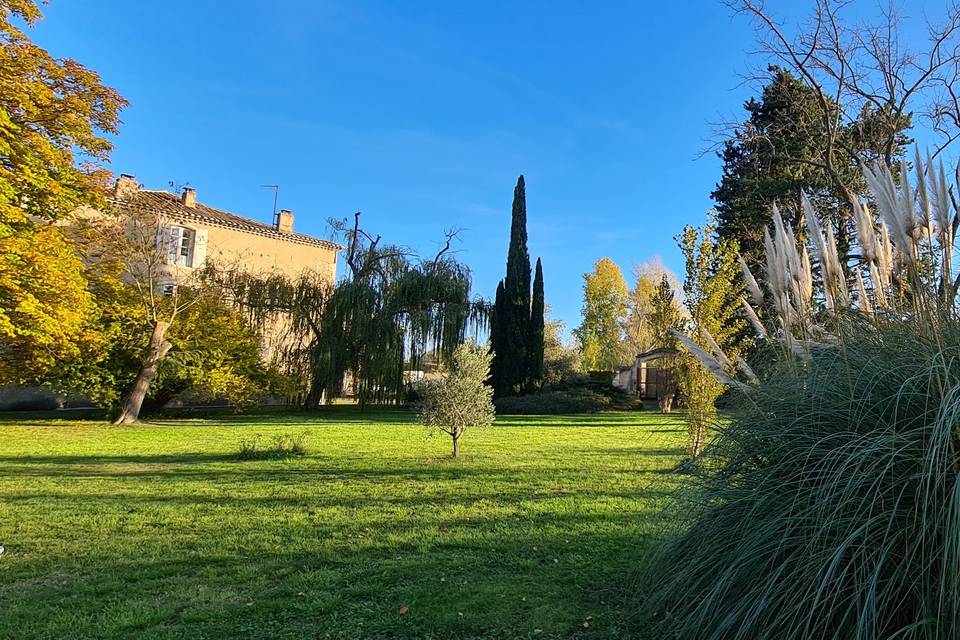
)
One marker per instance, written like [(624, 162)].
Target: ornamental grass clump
[(828, 505)]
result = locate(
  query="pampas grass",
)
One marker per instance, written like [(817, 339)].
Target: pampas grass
[(828, 504)]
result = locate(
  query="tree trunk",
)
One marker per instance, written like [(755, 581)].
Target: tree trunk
[(156, 352), (456, 445), (666, 403)]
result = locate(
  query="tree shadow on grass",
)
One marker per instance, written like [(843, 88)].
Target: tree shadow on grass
[(548, 573)]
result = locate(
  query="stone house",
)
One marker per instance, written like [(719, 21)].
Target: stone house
[(192, 233)]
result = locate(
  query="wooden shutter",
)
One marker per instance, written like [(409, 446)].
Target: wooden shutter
[(199, 247), (163, 233)]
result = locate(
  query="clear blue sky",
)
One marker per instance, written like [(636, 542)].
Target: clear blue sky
[(422, 115)]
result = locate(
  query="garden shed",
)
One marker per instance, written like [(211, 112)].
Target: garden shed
[(650, 376)]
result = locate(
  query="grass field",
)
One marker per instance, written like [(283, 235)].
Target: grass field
[(159, 531)]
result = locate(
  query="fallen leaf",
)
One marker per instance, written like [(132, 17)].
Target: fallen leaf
[(404, 610)]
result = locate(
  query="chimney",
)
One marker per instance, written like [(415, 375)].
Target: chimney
[(125, 186), (284, 223), (189, 197)]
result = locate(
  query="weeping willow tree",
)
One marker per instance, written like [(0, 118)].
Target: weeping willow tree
[(390, 309)]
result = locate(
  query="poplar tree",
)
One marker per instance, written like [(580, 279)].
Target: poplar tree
[(600, 335)]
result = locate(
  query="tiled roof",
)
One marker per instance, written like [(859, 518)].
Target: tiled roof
[(169, 205)]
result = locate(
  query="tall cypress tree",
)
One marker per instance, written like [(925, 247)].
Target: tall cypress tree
[(535, 348), (516, 293), (511, 332)]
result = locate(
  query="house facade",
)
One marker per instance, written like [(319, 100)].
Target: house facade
[(188, 235), (191, 233)]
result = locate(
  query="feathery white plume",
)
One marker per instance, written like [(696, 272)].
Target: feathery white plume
[(708, 361), (752, 287)]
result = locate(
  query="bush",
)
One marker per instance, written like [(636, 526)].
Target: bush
[(829, 504), (580, 395), (602, 377), (38, 403), (280, 446)]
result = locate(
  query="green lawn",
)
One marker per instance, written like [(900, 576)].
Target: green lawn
[(158, 531)]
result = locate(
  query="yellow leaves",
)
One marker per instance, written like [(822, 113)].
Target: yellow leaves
[(44, 302), (50, 111), (604, 305)]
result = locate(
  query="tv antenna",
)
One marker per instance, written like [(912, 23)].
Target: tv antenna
[(276, 194)]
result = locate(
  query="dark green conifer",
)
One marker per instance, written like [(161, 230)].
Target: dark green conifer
[(512, 331), (496, 344), (535, 348)]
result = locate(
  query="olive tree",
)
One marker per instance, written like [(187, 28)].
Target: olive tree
[(462, 399)]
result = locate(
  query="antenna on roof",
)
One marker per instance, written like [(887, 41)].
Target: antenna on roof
[(276, 194)]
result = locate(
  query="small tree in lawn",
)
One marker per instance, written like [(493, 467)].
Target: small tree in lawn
[(463, 399)]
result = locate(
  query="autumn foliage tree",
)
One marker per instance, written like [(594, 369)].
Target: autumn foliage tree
[(600, 335), (640, 330), (55, 116)]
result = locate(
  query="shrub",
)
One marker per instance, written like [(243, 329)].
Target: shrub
[(552, 402), (279, 446), (580, 395), (39, 403)]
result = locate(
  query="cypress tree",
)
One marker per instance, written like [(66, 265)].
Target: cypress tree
[(496, 344), (514, 322), (515, 338), (535, 348)]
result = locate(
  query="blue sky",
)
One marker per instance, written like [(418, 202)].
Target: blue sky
[(422, 115)]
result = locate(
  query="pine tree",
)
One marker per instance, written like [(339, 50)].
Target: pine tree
[(535, 349), (664, 316)]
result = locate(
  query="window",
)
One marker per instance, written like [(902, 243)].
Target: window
[(185, 254), (182, 246)]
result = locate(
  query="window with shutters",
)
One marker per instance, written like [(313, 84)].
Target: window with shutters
[(184, 256), (182, 246)]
